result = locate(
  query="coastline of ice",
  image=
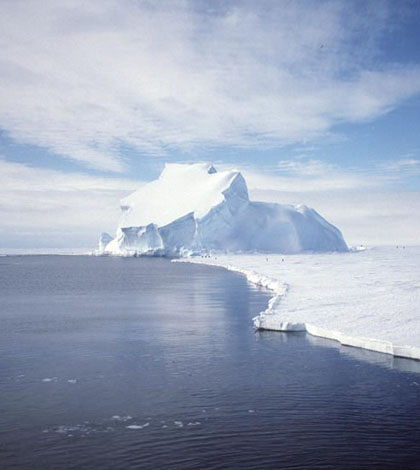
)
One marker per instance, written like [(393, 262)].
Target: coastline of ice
[(366, 299)]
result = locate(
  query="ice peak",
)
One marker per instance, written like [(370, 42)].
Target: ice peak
[(172, 170), (180, 190)]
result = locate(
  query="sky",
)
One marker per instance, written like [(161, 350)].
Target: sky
[(316, 102)]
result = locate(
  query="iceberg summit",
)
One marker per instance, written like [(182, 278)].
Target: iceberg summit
[(193, 209)]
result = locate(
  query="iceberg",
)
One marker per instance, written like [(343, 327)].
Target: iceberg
[(193, 208)]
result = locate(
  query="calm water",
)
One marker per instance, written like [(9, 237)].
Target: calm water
[(142, 363)]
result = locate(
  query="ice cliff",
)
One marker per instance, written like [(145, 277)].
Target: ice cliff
[(194, 208)]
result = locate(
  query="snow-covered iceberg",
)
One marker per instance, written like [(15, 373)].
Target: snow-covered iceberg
[(195, 209)]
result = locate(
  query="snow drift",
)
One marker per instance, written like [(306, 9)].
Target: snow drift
[(195, 209)]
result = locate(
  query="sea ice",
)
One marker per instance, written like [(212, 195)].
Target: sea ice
[(137, 426), (121, 418), (367, 299)]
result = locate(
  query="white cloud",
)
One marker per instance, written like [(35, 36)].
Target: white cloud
[(84, 79), (47, 208)]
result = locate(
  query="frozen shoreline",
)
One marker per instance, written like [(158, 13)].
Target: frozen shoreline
[(368, 300)]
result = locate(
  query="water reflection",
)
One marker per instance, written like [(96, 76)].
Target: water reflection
[(372, 357)]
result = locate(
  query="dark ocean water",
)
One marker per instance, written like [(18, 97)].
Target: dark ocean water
[(111, 363)]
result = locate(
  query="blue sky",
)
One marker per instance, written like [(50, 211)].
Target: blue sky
[(316, 102)]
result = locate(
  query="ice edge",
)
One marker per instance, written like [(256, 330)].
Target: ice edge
[(269, 319)]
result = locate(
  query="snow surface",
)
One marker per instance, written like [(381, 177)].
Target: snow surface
[(368, 299), (180, 190), (194, 208)]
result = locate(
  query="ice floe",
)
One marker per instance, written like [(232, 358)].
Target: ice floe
[(138, 426)]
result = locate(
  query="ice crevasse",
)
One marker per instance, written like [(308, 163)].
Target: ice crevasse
[(192, 208)]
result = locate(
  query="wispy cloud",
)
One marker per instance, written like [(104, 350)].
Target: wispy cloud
[(85, 79), (312, 175), (409, 165), (19, 177)]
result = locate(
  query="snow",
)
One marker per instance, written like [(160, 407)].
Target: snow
[(367, 299), (194, 208)]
